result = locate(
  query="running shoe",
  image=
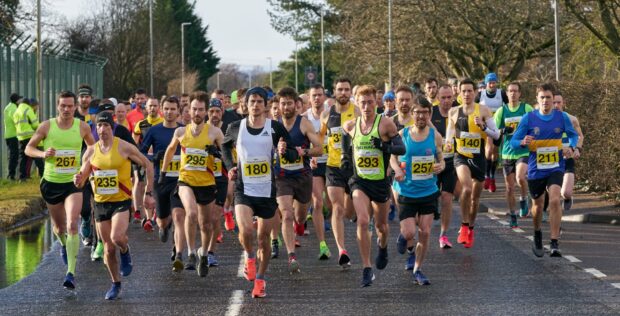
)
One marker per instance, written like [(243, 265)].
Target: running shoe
[(524, 211), (136, 217), (492, 186), (229, 221), (173, 252), (470, 239), (306, 231), (324, 252), (69, 282), (343, 260), (259, 289), (114, 291), (275, 249), (367, 277), (327, 225), (293, 265), (191, 262), (487, 183), (147, 225), (463, 234), (203, 265), (212, 260), (401, 244), (381, 260), (220, 238), (444, 243), (555, 249), (126, 265), (410, 263), (299, 229), (420, 278), (164, 233), (249, 269), (63, 254), (537, 247), (87, 241), (177, 264), (513, 221), (297, 243), (568, 203), (97, 252), (85, 228), (392, 213)]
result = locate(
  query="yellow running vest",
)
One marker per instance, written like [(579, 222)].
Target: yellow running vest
[(196, 169), (334, 132), (111, 178), (469, 137)]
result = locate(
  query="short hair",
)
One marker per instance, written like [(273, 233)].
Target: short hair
[(274, 100), (288, 92), (514, 83), (85, 86), (444, 86), (139, 91), (123, 102), (366, 90), (342, 79), (241, 93), (65, 94), (404, 88), (185, 95), (424, 103), (317, 86), (431, 80), (219, 91), (200, 96), (557, 92), (172, 99), (466, 81), (545, 87)]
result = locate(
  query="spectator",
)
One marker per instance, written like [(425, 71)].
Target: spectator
[(26, 122), (10, 135)]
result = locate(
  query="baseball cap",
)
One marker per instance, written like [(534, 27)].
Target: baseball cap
[(215, 103), (491, 76)]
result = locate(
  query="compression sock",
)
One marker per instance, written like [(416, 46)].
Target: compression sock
[(73, 245), (61, 238)]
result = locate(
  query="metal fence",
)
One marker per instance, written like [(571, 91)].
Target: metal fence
[(62, 70)]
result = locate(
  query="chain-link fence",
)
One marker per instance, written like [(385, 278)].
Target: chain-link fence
[(62, 70)]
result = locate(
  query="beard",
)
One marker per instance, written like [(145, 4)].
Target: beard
[(342, 99), (197, 120)]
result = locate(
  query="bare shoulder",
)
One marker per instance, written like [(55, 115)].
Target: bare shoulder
[(349, 125)]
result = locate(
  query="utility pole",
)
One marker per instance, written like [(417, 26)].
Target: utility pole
[(556, 11), (183, 56), (270, 73), (296, 74), (40, 66), (322, 51), (390, 43), (151, 43), (218, 79)]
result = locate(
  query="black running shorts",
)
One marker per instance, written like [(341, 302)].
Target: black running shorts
[(55, 193)]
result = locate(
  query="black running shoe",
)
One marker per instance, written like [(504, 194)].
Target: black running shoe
[(555, 249), (381, 260), (191, 262), (367, 277), (537, 248)]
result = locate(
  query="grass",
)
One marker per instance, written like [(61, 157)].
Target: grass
[(19, 201)]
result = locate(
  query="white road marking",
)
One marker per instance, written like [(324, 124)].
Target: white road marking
[(595, 272), (505, 223), (491, 216), (241, 263), (572, 259), (616, 285), (235, 303), (519, 230), (530, 238)]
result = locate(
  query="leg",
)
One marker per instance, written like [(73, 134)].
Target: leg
[(13, 148), (205, 222), (555, 211), (336, 195), (285, 205), (424, 223), (243, 213), (216, 227), (318, 220), (475, 201), (363, 210), (23, 160), (567, 185), (105, 228), (381, 222), (191, 216), (265, 225), (509, 179), (464, 175), (73, 206), (446, 210), (178, 217)]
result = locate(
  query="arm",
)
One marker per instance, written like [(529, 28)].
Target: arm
[(147, 143), (521, 134), (39, 135), (171, 149), (315, 139), (573, 137), (86, 133), (82, 176), (228, 143), (450, 130), (390, 142), (438, 167), (33, 118), (489, 126), (137, 157), (282, 141)]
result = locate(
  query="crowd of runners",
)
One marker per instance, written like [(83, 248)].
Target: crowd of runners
[(266, 165)]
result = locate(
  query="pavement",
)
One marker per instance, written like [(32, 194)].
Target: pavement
[(498, 276)]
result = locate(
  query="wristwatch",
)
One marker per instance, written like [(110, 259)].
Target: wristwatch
[(149, 193)]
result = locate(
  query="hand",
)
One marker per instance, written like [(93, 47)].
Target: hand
[(281, 146), (478, 121), (162, 176), (527, 140), (313, 163), (508, 130), (447, 147), (379, 144), (576, 153), (346, 166), (212, 150), (232, 174), (50, 152), (568, 153), (399, 174), (438, 167), (149, 202), (77, 179)]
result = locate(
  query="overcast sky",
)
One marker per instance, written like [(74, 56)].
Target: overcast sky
[(239, 30)]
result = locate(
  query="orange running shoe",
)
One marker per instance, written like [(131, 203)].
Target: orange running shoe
[(463, 234), (470, 239), (299, 229), (220, 238), (259, 289), (249, 269), (136, 217), (229, 221)]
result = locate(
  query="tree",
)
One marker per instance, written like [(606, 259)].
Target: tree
[(8, 9)]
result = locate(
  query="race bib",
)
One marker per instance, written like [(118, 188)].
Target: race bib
[(547, 158), (106, 182), (172, 170), (195, 159), (257, 170), (323, 158), (217, 167), (65, 162), (367, 162), (295, 165), (336, 137), (448, 154), (422, 167), (470, 143), (512, 122)]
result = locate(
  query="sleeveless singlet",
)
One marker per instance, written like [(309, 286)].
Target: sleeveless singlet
[(334, 133), (369, 162), (68, 145), (469, 137), (111, 175), (418, 162), (316, 123), (255, 160), (302, 164), (195, 169)]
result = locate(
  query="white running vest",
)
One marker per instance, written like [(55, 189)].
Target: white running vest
[(317, 129), (492, 103), (254, 153)]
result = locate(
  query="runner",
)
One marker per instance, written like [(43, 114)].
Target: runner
[(430, 90), (109, 162), (507, 118), (196, 186), (120, 114), (294, 178), (541, 132), (336, 181), (493, 98), (62, 142), (416, 182), (140, 129), (569, 175), (446, 179), (138, 107), (373, 138), (318, 165), (469, 124), (255, 190)]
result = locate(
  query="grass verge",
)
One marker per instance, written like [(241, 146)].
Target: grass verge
[(19, 201)]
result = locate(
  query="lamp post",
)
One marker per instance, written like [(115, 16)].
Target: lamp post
[(390, 42), (556, 24), (151, 43), (183, 25), (270, 73), (322, 52)]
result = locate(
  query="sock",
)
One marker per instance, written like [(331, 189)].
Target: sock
[(442, 233), (73, 245), (512, 212), (117, 283), (323, 244), (487, 172), (291, 255), (61, 238), (493, 169), (250, 255), (274, 241), (410, 249), (210, 252), (471, 227), (191, 251), (464, 224), (260, 276)]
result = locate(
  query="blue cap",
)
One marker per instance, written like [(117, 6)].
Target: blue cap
[(491, 76), (389, 96), (256, 90), (215, 103)]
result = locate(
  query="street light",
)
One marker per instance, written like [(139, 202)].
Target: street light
[(270, 73), (322, 52), (390, 43), (151, 44), (183, 25), (556, 24)]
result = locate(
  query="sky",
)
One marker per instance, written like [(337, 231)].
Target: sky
[(247, 43)]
